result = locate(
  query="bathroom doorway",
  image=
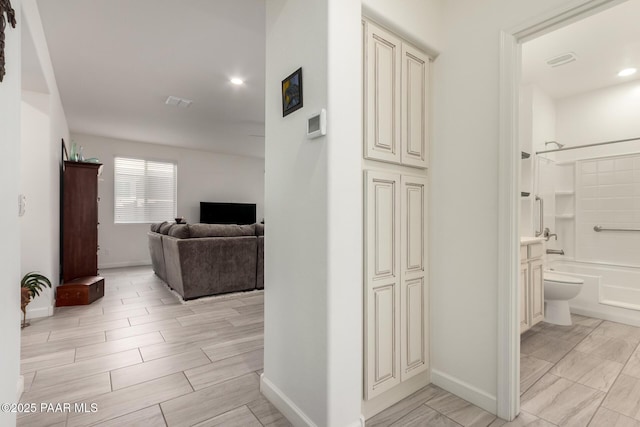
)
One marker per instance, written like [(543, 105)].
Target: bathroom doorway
[(577, 211)]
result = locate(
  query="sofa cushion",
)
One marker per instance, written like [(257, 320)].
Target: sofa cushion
[(259, 229), (165, 227), (180, 231), (155, 227), (221, 230)]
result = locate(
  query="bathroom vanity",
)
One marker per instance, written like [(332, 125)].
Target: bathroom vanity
[(531, 282)]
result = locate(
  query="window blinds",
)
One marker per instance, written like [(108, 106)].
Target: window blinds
[(144, 191)]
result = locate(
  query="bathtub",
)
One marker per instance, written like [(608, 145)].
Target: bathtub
[(609, 292)]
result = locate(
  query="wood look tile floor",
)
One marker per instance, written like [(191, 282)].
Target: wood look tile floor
[(146, 359)]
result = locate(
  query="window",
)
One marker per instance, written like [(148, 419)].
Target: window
[(144, 191)]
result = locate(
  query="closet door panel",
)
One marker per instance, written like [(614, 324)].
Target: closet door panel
[(415, 107), (382, 95), (382, 293), (414, 291)]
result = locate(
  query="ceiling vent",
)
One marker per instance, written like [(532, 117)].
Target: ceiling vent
[(174, 101), (563, 59)]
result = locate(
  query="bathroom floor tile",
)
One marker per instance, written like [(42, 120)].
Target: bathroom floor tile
[(524, 419), (632, 367), (544, 347), (615, 349), (531, 370), (424, 416), (569, 334), (623, 397), (607, 418), (561, 401), (588, 370), (618, 330), (461, 411), (397, 411), (589, 322)]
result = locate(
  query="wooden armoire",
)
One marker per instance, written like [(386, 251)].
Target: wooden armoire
[(79, 220)]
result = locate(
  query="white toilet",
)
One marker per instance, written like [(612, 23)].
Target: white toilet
[(558, 290)]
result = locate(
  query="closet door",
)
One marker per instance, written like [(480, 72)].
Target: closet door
[(382, 95), (382, 293), (415, 107), (537, 291), (414, 295)]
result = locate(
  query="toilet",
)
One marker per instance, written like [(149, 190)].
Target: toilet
[(559, 288)]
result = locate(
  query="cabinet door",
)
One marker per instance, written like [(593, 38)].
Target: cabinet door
[(537, 291), (382, 95), (525, 316), (415, 107), (382, 293), (414, 295)]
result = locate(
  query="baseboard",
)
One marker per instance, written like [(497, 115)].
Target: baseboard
[(290, 410), (20, 388), (36, 313), (628, 320), (466, 391), (124, 264)]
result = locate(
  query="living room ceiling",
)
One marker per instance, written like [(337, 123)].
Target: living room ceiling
[(117, 61)]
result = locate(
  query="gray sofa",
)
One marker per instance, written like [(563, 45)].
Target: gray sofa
[(198, 260)]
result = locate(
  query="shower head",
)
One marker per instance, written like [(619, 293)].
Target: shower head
[(554, 142)]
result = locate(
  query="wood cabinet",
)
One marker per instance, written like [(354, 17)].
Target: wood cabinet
[(396, 290), (531, 284), (79, 232), (396, 99)]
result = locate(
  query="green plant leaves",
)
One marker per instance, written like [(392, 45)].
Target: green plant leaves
[(35, 283)]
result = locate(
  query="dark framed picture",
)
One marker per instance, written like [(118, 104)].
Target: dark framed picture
[(292, 93)]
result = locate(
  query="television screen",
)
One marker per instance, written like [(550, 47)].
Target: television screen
[(227, 213)]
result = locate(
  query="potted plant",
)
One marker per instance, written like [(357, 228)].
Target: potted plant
[(31, 285)]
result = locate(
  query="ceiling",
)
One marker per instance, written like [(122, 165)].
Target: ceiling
[(604, 43), (117, 61)]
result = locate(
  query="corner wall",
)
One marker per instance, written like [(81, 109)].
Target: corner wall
[(203, 176), (464, 194), (10, 248)]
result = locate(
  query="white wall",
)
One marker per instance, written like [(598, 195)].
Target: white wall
[(602, 115), (416, 20), (464, 194), (202, 177), (296, 310), (10, 248), (44, 124)]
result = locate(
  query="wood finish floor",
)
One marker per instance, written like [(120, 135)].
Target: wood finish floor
[(145, 359)]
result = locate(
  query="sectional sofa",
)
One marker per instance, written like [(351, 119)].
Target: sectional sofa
[(198, 260)]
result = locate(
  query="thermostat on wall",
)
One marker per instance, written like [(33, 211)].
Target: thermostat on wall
[(317, 124)]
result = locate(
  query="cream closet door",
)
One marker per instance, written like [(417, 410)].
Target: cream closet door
[(382, 293), (382, 95), (414, 302), (415, 104)]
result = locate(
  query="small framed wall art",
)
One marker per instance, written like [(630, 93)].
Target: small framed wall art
[(292, 93)]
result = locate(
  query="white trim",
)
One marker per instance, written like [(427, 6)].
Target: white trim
[(464, 390), (36, 313), (19, 388), (290, 410), (124, 264), (618, 318), (508, 360)]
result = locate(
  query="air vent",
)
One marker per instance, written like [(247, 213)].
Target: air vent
[(563, 59), (174, 101)]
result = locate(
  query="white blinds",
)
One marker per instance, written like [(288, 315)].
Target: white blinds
[(144, 191)]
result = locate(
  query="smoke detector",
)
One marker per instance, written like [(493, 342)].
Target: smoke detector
[(563, 59), (174, 101)]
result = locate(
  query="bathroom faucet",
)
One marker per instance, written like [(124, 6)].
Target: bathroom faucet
[(547, 234)]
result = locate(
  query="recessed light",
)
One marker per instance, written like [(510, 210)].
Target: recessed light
[(627, 72), (236, 81)]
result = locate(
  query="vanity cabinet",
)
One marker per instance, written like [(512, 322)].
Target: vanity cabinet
[(531, 283), (396, 99), (396, 293)]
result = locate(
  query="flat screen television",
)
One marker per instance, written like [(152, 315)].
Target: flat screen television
[(227, 213)]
